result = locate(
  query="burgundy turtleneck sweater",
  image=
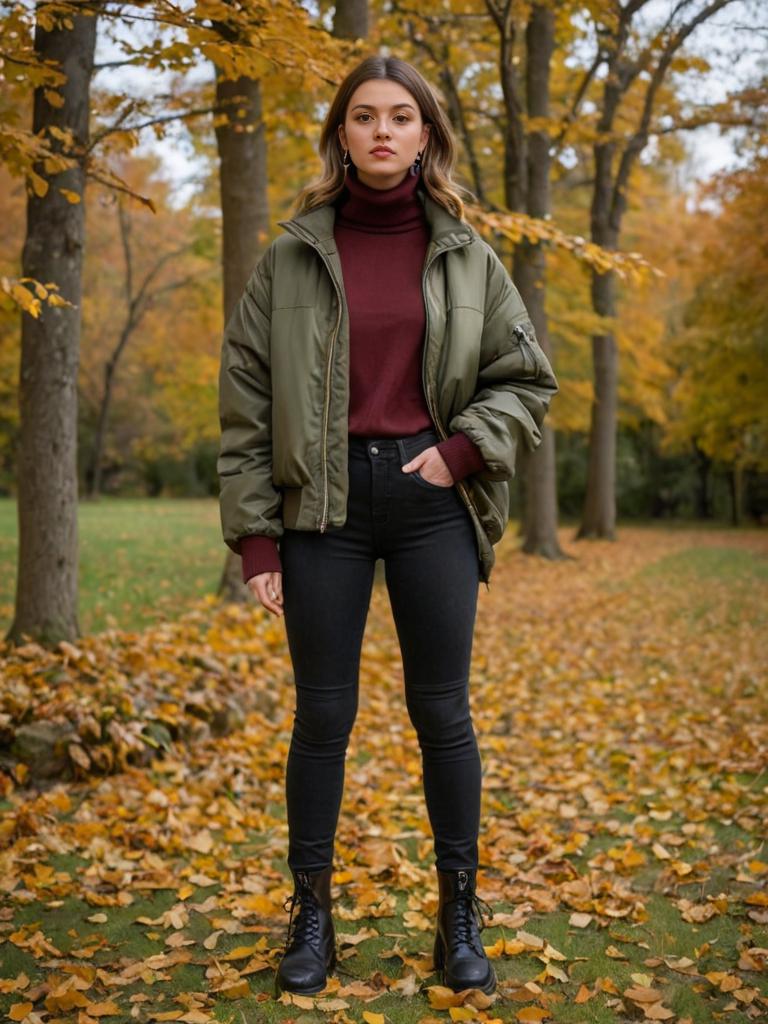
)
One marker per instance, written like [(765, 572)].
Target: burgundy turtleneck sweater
[(382, 237)]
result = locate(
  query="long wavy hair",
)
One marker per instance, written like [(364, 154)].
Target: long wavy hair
[(438, 157)]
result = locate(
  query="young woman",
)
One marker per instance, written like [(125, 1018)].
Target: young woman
[(377, 376)]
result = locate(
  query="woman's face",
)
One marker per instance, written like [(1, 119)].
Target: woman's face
[(382, 113)]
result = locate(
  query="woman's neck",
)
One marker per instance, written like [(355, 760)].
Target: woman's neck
[(397, 209)]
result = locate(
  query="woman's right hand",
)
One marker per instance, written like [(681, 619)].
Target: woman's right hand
[(267, 588)]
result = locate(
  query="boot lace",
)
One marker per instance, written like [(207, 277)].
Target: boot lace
[(306, 924), (466, 917)]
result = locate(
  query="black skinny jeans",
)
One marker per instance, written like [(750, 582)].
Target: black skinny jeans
[(425, 536)]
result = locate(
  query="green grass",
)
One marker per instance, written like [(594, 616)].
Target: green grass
[(144, 559), (720, 578), (664, 934), (729, 564), (141, 559)]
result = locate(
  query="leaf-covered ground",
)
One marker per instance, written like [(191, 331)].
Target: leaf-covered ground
[(620, 701)]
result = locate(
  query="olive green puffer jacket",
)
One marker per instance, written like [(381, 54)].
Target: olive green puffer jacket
[(284, 390)]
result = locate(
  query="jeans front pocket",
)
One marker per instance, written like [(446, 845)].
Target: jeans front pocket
[(419, 479), (406, 455)]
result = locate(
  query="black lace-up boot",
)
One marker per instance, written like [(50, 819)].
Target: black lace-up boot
[(458, 951), (310, 948)]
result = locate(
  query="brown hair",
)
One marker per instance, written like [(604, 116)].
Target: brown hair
[(439, 155)]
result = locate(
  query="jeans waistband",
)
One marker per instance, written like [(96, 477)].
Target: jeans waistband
[(411, 441)]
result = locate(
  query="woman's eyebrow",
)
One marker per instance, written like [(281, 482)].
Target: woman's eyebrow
[(372, 107)]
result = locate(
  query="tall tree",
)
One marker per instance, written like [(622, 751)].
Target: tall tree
[(523, 128), (721, 348), (539, 520), (46, 590), (629, 65), (242, 146), (139, 297), (526, 140)]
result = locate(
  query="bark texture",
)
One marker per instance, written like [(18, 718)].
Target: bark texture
[(242, 149), (539, 518), (47, 581)]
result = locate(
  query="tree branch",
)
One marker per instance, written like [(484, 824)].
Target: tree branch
[(559, 139), (456, 109), (639, 139), (181, 116), (726, 120)]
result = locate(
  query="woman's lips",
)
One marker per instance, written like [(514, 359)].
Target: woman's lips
[(382, 152)]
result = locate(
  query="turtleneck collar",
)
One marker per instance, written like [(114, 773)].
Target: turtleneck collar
[(393, 209)]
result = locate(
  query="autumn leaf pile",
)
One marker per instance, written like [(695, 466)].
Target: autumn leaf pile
[(116, 697), (620, 704)]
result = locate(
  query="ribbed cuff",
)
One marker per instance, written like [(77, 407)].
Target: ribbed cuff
[(461, 455), (259, 554)]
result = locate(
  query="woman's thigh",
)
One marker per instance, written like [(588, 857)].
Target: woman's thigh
[(432, 575), (326, 595), (327, 585)]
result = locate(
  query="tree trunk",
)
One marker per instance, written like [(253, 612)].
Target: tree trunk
[(94, 476), (703, 468), (111, 364), (99, 443), (47, 583), (651, 467), (242, 149), (735, 481), (245, 223), (138, 299), (351, 19), (539, 504), (599, 511)]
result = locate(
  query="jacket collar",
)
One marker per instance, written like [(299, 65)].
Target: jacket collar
[(316, 226)]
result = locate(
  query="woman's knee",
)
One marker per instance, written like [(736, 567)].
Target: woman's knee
[(442, 720), (325, 724)]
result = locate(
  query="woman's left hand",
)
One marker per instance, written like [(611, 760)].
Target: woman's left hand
[(432, 467)]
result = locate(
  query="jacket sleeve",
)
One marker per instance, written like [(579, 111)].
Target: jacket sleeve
[(248, 501), (515, 382)]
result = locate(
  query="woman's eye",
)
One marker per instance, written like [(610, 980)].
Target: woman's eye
[(397, 116)]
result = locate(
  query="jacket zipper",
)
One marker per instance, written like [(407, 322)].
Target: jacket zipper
[(324, 519), (525, 342), (327, 405), (462, 488)]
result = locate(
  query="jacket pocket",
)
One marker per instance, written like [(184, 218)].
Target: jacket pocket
[(492, 501)]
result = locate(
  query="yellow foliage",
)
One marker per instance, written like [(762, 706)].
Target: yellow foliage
[(721, 395)]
